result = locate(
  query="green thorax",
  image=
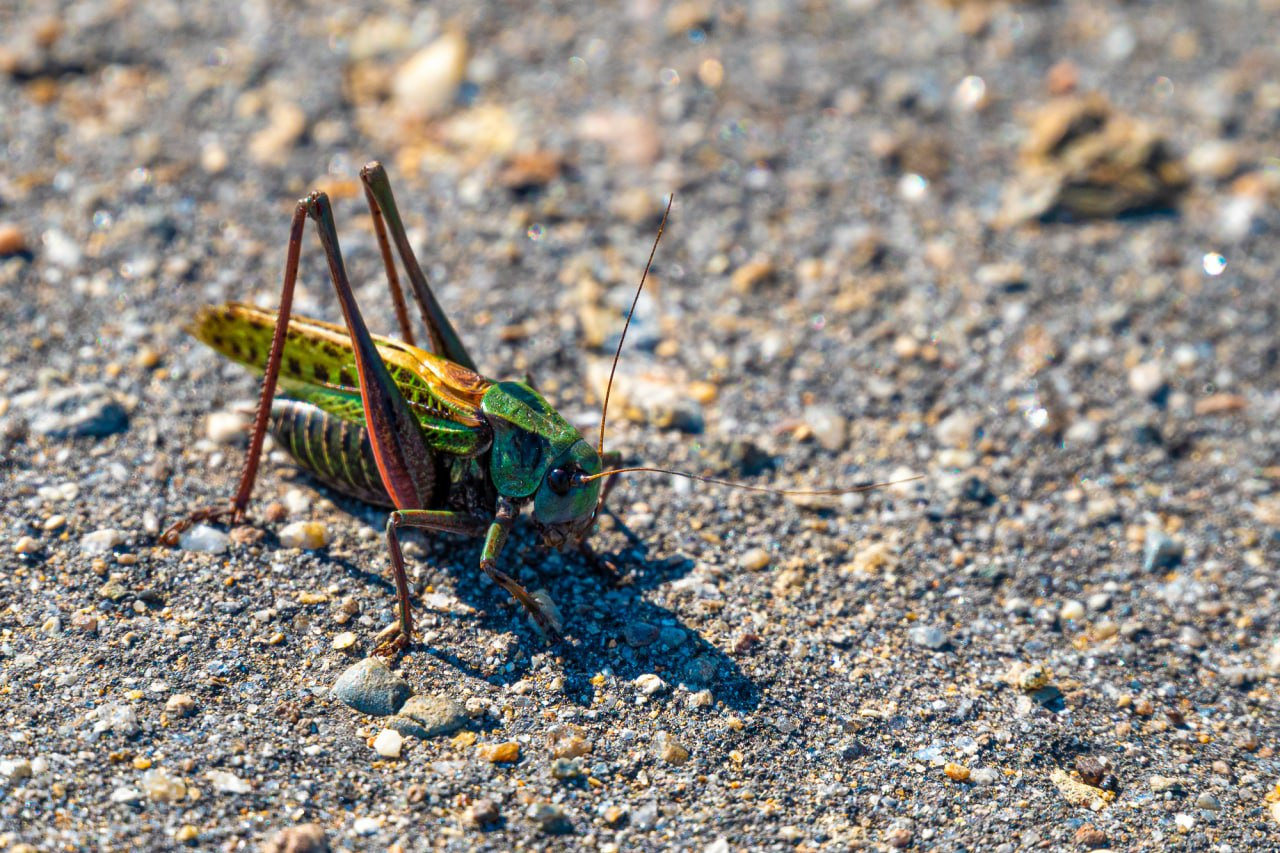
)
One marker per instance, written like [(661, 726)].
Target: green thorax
[(528, 435)]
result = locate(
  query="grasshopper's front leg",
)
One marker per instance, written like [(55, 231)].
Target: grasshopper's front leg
[(495, 536)]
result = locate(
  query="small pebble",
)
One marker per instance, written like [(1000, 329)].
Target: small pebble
[(26, 545), (101, 541), (161, 787), (1072, 611), (928, 636), (499, 753), (984, 776), (1208, 802), (481, 813), (296, 502), (188, 833), (180, 705), (754, 560), (12, 240), (567, 742), (425, 85), (226, 427), (227, 782), (204, 539), (639, 634), (344, 641), (565, 768), (365, 826), (669, 750), (956, 772), (388, 743), (650, 684), (550, 817), (371, 688), (1147, 379), (308, 535), (830, 428), (437, 713), (304, 838), (1090, 837), (1162, 784), (956, 430), (1160, 551), (1098, 602)]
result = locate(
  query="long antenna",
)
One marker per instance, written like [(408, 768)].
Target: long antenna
[(604, 410), (750, 488)]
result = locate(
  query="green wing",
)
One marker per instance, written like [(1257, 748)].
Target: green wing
[(319, 367)]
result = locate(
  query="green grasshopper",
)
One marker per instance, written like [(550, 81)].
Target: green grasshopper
[(418, 431)]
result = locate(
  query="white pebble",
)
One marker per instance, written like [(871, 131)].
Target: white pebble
[(754, 560), (227, 782), (101, 541), (1072, 611), (297, 502), (204, 539), (226, 427), (163, 788), (650, 684), (425, 85), (1146, 379), (366, 825), (308, 535), (388, 743), (956, 430)]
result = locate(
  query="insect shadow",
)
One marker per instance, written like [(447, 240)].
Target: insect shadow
[(615, 628)]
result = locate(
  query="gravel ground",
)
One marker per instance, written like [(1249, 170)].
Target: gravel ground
[(904, 242)]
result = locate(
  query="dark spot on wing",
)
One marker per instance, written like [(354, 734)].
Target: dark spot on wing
[(345, 377), (320, 373), (295, 367)]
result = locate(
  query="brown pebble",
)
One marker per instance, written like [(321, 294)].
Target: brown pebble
[(481, 812), (956, 772), (304, 838), (1092, 769), (275, 511), (1143, 708), (1090, 837), (12, 240)]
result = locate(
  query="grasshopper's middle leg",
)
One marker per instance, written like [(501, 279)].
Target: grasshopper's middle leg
[(495, 534), (235, 512)]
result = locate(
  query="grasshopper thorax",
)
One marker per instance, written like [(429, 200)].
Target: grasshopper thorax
[(538, 456)]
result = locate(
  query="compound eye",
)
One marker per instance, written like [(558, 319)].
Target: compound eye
[(559, 479)]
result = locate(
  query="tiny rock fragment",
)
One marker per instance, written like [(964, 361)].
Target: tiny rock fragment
[(345, 640), (754, 560), (499, 753), (180, 705), (481, 813), (550, 817), (186, 834), (101, 541), (566, 741), (752, 274), (650, 684), (161, 787), (1090, 837), (669, 750), (388, 743), (1220, 404), (1078, 793), (285, 125), (308, 535), (227, 782), (304, 838), (956, 772)]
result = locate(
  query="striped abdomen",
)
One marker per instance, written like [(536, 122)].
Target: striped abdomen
[(335, 451)]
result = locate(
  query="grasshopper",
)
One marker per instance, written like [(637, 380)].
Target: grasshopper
[(419, 432)]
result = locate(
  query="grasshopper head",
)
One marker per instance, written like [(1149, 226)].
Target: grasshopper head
[(564, 505)]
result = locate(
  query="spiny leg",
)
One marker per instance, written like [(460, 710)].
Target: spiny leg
[(250, 470), (382, 204)]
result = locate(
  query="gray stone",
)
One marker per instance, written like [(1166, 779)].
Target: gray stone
[(80, 411), (436, 714), (928, 636), (1160, 551), (371, 688)]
